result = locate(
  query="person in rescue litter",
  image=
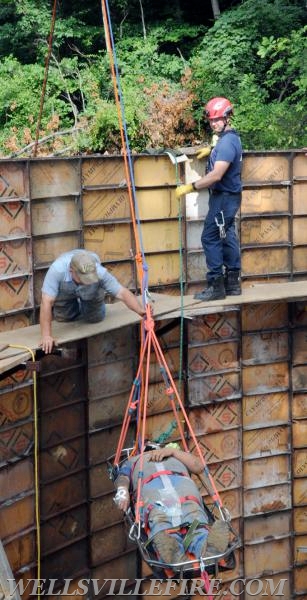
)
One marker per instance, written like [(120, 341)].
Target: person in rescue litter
[(173, 513), (223, 179), (74, 287)]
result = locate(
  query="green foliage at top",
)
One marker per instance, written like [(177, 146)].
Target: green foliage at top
[(254, 54)]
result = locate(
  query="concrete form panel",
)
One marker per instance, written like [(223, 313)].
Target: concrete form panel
[(52, 178), (61, 495), (110, 242), (265, 409), (299, 259), (264, 347), (109, 543), (157, 204), (299, 491), (62, 459), (265, 261), (266, 500), (269, 586), (203, 390), (104, 380), (215, 327), (11, 322), (265, 379), (299, 229), (266, 168), (219, 446), (265, 231), (213, 358), (267, 527), (161, 236), (196, 267), (215, 417), (124, 272), (300, 198), (300, 579), (266, 471), (47, 249), (154, 171), (256, 317), (264, 200), (15, 294), (21, 551), (14, 219), (262, 442), (105, 205), (13, 180), (16, 517), (300, 520), (103, 171), (122, 567)]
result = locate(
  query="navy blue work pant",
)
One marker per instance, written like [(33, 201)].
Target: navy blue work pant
[(221, 252)]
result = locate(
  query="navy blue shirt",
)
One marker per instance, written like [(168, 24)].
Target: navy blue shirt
[(228, 149)]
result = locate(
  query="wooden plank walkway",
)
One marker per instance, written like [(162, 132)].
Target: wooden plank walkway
[(118, 316)]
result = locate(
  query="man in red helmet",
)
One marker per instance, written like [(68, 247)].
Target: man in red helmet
[(223, 179)]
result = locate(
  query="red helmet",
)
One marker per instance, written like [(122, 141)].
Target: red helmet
[(218, 108)]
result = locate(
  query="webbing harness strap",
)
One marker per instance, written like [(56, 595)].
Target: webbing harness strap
[(159, 473)]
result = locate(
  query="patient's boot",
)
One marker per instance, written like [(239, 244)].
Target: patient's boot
[(168, 548), (218, 537)]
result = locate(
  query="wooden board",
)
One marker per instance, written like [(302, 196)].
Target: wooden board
[(118, 316)]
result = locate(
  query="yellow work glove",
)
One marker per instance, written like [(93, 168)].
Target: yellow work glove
[(203, 153), (181, 190)]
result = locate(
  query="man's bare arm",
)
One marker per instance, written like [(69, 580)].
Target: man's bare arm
[(192, 462), (45, 319)]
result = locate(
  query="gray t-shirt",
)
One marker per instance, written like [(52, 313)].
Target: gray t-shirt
[(59, 271)]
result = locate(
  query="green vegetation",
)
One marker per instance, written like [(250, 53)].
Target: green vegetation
[(255, 54)]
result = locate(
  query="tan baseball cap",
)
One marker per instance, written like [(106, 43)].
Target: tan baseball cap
[(84, 265)]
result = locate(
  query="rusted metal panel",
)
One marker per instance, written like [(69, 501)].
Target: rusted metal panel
[(47, 249), (267, 527), (109, 543), (110, 378), (157, 204), (196, 266), (213, 357), (99, 480), (52, 178), (267, 499), (63, 494), (266, 471), (110, 242), (271, 315), (264, 347), (299, 433), (268, 586), (299, 491), (299, 228), (15, 294), (265, 409), (214, 387), (299, 406), (263, 379), (103, 171), (63, 459), (55, 215), (14, 219), (15, 258), (105, 205), (265, 168), (103, 444), (71, 560), (21, 551), (109, 347), (220, 446), (300, 578), (160, 236), (64, 529), (17, 321), (218, 326), (265, 261), (154, 171), (299, 342), (300, 520), (163, 269), (215, 417), (62, 424), (300, 198), (16, 479), (104, 512), (265, 231), (16, 517), (299, 378), (270, 440), (264, 200)]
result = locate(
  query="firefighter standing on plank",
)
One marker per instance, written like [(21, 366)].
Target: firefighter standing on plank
[(223, 179)]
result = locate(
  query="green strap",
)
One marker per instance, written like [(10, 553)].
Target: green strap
[(188, 537)]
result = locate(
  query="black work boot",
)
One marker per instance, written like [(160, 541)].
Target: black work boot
[(214, 291), (232, 283)]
